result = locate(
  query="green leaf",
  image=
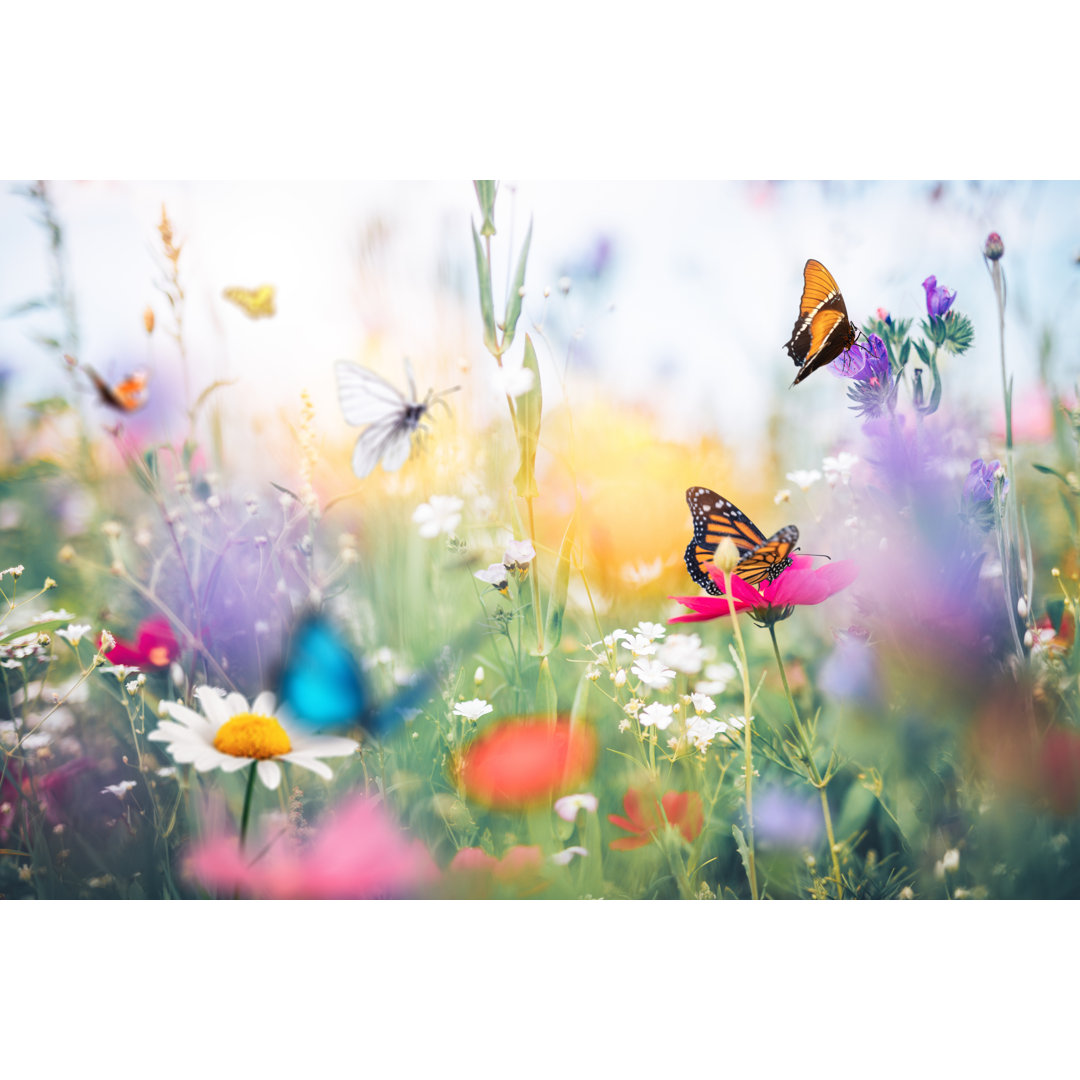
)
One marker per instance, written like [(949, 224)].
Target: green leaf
[(905, 351), (25, 306), (557, 600), (923, 351), (485, 196), (529, 408), (744, 850), (513, 301), (35, 628), (959, 333), (547, 697), (1052, 472), (487, 305)]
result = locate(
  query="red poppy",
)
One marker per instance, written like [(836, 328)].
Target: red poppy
[(523, 763), (645, 817), (155, 646)]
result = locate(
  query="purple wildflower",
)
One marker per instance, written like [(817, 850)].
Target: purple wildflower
[(785, 820), (979, 485), (938, 298), (868, 366)]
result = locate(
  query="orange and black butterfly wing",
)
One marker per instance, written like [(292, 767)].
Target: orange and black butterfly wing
[(823, 330), (768, 560), (715, 518), (126, 396)]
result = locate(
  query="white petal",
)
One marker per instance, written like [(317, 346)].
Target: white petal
[(270, 773), (213, 704), (236, 704), (316, 766), (232, 764), (264, 704), (185, 716), (323, 746)]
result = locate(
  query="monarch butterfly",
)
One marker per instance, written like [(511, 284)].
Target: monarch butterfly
[(714, 518), (392, 418), (254, 303), (126, 396), (822, 331)]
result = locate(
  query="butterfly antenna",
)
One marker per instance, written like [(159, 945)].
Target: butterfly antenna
[(814, 554)]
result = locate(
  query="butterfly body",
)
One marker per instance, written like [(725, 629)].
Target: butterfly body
[(714, 519), (823, 330), (128, 395), (392, 419), (257, 303), (324, 688)]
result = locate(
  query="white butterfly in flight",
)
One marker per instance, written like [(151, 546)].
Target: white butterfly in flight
[(392, 418)]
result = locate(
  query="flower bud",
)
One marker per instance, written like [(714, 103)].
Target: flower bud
[(994, 248), (1029, 639), (1022, 608), (148, 319), (726, 556)]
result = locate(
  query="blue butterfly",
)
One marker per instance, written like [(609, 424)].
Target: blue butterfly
[(324, 688)]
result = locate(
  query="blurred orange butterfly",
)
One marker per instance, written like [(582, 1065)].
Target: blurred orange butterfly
[(822, 331), (255, 303), (716, 518), (127, 395)]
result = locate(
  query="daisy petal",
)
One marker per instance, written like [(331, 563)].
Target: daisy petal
[(236, 704), (316, 766), (213, 704), (269, 773), (264, 704)]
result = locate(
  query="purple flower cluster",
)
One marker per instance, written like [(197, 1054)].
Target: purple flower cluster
[(979, 485), (868, 367)]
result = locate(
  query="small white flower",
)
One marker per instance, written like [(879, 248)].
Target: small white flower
[(561, 858), (633, 707), (619, 678), (653, 674), (14, 571), (74, 633), (440, 514), (804, 478), (108, 642), (167, 771), (684, 653), (494, 575), (639, 645), (519, 553), (568, 806), (650, 630), (717, 678), (233, 734), (478, 676), (517, 380), (641, 573), (624, 725), (949, 863), (782, 496), (737, 722), (119, 790), (838, 469), (702, 703), (55, 616), (702, 730), (473, 710), (656, 715)]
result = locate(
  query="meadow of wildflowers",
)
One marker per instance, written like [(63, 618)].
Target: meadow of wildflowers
[(386, 643)]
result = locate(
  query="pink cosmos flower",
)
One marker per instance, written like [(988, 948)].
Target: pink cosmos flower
[(155, 647), (359, 854), (773, 600)]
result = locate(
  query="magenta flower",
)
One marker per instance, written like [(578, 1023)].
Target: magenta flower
[(799, 584), (359, 854), (938, 298)]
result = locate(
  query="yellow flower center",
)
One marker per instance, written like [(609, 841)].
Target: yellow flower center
[(158, 655), (253, 736)]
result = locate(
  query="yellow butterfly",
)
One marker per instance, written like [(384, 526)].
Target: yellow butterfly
[(254, 303)]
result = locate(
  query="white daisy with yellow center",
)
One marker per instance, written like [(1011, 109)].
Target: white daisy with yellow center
[(233, 734)]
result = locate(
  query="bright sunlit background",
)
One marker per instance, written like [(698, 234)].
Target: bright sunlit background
[(680, 296)]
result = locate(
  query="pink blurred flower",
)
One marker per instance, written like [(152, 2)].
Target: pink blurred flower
[(155, 646), (358, 854), (475, 874), (773, 600)]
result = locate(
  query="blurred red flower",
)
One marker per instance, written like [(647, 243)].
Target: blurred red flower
[(645, 817), (522, 763), (155, 646)]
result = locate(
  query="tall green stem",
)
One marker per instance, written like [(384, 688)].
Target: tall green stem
[(246, 815), (815, 775), (751, 871)]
